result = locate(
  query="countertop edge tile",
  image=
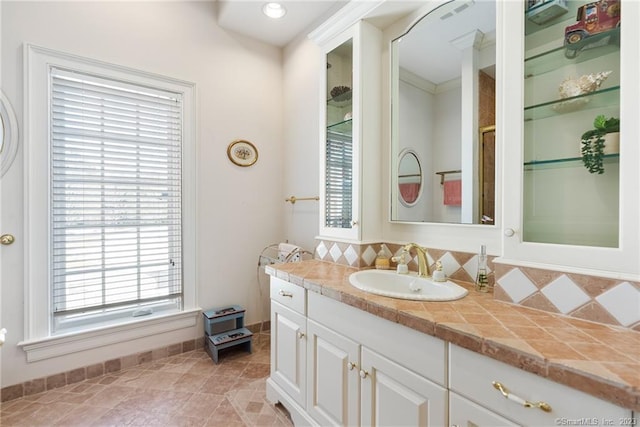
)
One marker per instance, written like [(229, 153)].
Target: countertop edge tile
[(514, 357), (449, 333), (419, 324), (598, 387), (461, 334)]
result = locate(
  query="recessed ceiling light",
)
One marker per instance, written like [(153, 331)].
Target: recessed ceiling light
[(274, 10)]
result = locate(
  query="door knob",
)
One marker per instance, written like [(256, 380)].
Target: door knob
[(509, 232), (7, 239)]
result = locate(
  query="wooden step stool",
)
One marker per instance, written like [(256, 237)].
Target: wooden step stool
[(216, 340)]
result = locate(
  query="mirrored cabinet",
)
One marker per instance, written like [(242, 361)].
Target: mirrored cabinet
[(574, 200), (350, 134), (439, 109)]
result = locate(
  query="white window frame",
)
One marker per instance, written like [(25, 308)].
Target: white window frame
[(39, 343)]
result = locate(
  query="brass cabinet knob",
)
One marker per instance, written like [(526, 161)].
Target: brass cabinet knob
[(7, 239)]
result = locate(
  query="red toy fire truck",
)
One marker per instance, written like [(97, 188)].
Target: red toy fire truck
[(594, 22)]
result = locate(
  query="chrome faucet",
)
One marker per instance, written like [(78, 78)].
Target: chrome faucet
[(423, 262)]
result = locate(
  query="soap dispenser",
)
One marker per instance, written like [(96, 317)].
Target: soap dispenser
[(482, 281), (382, 260), (438, 275), (402, 267)]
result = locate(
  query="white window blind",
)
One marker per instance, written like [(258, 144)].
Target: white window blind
[(339, 180), (115, 220)]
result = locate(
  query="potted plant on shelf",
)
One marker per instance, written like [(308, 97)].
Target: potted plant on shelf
[(596, 142)]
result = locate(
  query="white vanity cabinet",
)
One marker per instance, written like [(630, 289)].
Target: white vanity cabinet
[(333, 364), (338, 365), (392, 395), (475, 398), (288, 339), (350, 133), (334, 382), (371, 372), (557, 213), (350, 384)]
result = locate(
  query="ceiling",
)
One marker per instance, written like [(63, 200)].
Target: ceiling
[(428, 40), (434, 37), (246, 17)]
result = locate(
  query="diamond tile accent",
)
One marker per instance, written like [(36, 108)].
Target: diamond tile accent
[(335, 252), (449, 264), (623, 302), (351, 255), (471, 266), (321, 250), (565, 295), (369, 255), (517, 285)]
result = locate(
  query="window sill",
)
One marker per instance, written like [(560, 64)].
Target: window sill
[(60, 345)]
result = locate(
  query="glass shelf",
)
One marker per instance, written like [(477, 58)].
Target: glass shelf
[(342, 128), (569, 17), (555, 58), (597, 99), (534, 165)]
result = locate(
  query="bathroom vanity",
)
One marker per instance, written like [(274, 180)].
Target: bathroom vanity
[(340, 356)]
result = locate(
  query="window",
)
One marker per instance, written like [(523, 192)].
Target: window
[(110, 177), (339, 180), (115, 206)]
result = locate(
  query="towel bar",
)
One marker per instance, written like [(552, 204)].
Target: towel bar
[(443, 173), (294, 199)]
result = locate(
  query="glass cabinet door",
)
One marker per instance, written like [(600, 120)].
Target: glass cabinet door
[(571, 156), (339, 148), (578, 73)]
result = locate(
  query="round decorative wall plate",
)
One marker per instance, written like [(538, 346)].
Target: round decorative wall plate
[(242, 153)]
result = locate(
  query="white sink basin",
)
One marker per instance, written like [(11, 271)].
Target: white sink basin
[(405, 286)]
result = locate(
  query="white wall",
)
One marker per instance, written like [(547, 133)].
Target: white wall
[(240, 95), (415, 132), (446, 155), (302, 65)]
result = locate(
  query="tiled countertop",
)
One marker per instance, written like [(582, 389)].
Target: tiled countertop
[(598, 359)]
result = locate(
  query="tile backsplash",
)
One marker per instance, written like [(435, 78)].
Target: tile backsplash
[(461, 266), (598, 299)]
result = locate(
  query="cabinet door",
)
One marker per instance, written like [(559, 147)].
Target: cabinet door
[(557, 212), (392, 395), (333, 382), (350, 134), (288, 351), (464, 413)]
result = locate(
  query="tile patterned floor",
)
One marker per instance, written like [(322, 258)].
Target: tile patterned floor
[(183, 390)]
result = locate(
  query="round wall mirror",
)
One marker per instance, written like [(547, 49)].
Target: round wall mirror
[(409, 177), (8, 134)]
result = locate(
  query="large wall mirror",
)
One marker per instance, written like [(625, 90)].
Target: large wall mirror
[(442, 106), (8, 134)]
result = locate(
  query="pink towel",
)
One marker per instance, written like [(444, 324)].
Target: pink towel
[(409, 192), (453, 192)]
